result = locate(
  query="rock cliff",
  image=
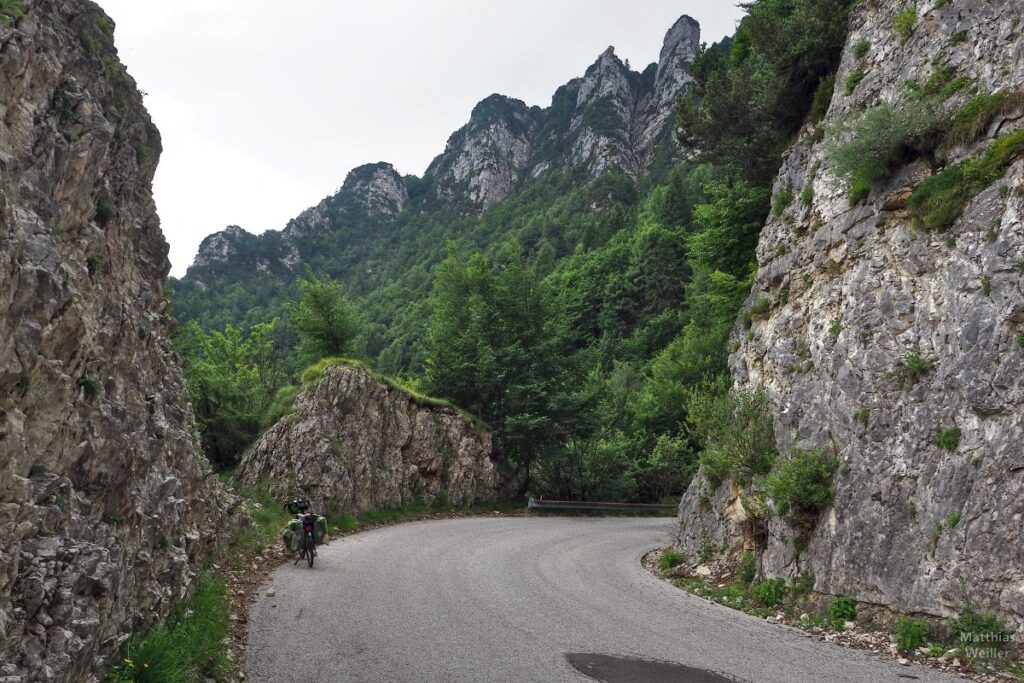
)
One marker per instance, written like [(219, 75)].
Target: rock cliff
[(104, 498), (355, 443), (897, 349)]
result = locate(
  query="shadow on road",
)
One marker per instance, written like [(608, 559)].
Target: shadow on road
[(611, 669)]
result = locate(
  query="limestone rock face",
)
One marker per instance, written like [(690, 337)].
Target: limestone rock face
[(105, 499), (355, 444), (483, 158), (377, 189), (914, 526)]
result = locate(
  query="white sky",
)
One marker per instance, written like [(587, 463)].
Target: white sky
[(265, 105)]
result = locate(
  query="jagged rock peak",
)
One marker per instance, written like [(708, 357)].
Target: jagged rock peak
[(377, 188), (220, 246), (680, 46), (486, 155)]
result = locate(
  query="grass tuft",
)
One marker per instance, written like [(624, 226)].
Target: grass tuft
[(188, 647), (938, 202)]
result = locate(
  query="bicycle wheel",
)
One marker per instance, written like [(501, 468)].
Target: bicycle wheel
[(310, 548)]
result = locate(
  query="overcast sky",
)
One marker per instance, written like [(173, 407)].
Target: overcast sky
[(265, 105)]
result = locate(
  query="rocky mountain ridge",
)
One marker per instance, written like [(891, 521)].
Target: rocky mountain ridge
[(354, 443), (610, 119), (106, 502), (896, 349)]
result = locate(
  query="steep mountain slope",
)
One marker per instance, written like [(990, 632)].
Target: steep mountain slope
[(105, 500), (894, 347), (380, 231)]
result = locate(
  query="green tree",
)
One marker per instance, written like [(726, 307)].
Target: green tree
[(497, 346), (324, 319), (231, 378)]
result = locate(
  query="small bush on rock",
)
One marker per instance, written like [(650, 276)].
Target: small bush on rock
[(671, 559), (938, 202), (910, 634), (770, 592), (914, 367), (979, 630), (746, 570), (905, 22), (949, 438), (884, 138), (842, 609), (804, 483)]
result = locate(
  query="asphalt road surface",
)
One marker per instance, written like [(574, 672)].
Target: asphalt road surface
[(522, 599)]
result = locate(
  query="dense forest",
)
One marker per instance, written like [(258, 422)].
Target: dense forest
[(587, 323)]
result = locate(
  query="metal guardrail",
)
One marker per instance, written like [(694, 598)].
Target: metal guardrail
[(542, 504)]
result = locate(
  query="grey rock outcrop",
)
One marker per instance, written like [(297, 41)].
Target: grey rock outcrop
[(372, 194), (355, 443), (914, 526), (483, 159), (105, 500)]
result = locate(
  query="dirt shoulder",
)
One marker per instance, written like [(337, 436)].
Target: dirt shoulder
[(805, 612)]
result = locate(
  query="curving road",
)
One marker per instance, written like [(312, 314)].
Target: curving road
[(517, 599)]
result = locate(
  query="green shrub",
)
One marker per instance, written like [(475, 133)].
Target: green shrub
[(105, 211), (975, 117), (822, 98), (860, 50), (782, 200), (836, 327), (803, 584), (10, 10), (1020, 340), (958, 37), (804, 483), (905, 22), (981, 630), (860, 190), (746, 570), (770, 592), (949, 438), (953, 518), (986, 286), (95, 262), (910, 634), (737, 433), (884, 138), (842, 609), (938, 202), (863, 415), (90, 387), (853, 79), (757, 311), (105, 25), (914, 366), (807, 196), (670, 559)]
